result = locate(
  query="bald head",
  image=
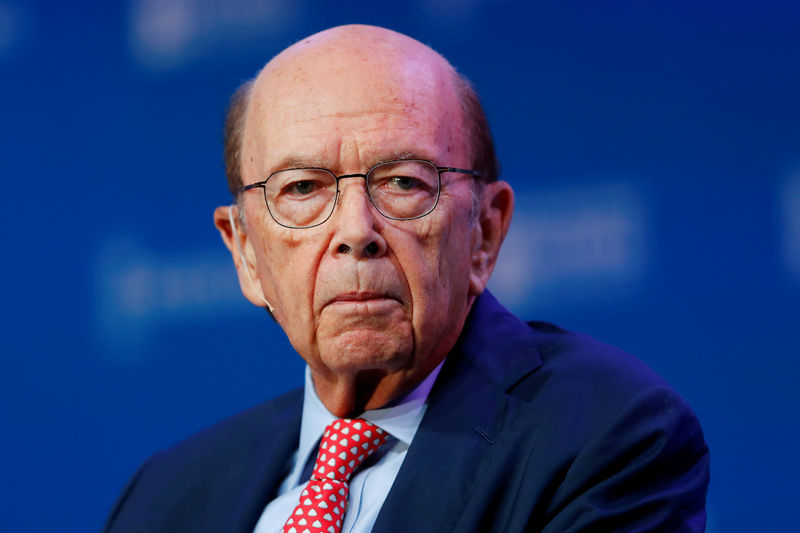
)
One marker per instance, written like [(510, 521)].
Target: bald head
[(335, 72), (363, 48)]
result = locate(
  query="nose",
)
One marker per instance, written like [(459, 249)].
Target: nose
[(357, 224)]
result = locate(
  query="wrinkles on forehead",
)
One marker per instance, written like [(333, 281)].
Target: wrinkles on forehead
[(318, 161), (322, 86)]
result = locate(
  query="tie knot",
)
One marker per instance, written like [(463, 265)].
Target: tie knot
[(345, 444)]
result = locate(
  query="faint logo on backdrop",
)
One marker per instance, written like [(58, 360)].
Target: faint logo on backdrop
[(165, 34), (15, 27), (570, 246), (136, 291), (790, 210)]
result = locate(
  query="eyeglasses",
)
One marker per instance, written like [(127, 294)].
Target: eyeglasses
[(400, 190)]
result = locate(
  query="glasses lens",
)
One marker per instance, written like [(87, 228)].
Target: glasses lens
[(300, 197), (404, 189)]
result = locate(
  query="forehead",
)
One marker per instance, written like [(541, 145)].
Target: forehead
[(326, 103)]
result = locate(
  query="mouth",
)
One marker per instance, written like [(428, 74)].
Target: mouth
[(360, 296), (363, 303)]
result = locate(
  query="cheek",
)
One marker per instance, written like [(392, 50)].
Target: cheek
[(442, 268), (291, 262)]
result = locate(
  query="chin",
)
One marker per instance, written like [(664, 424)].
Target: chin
[(356, 351)]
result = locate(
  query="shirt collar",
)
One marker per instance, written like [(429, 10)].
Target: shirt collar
[(400, 418)]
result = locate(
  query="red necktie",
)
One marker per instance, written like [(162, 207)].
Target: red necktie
[(345, 444)]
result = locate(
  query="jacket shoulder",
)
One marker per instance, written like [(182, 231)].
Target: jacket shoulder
[(627, 449), (581, 366), (242, 430), (220, 475)]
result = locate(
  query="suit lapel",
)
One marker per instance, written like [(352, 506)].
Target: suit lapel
[(266, 464), (465, 416)]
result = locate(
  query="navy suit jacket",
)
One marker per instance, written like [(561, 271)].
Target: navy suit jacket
[(528, 428)]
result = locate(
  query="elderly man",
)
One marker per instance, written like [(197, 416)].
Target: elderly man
[(368, 219)]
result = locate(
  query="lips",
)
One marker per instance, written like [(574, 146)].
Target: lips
[(363, 301), (364, 293), (360, 296)]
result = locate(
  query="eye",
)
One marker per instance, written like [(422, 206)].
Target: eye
[(303, 187), (404, 183)]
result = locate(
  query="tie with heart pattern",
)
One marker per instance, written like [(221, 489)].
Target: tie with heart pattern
[(345, 444)]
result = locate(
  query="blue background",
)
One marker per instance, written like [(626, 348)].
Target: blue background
[(654, 146)]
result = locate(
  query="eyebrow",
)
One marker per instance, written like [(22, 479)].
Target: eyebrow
[(295, 161)]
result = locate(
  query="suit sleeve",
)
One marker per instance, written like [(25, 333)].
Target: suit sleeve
[(646, 471)]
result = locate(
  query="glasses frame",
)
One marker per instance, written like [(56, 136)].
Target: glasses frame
[(440, 170)]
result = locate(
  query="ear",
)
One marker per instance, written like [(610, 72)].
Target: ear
[(242, 252), (497, 206)]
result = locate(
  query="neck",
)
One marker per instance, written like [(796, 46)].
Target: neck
[(349, 396)]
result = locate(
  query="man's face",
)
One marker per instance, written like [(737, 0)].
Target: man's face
[(361, 320)]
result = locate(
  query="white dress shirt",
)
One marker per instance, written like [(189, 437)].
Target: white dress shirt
[(370, 483)]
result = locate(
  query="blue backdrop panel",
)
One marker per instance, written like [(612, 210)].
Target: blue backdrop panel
[(655, 150)]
